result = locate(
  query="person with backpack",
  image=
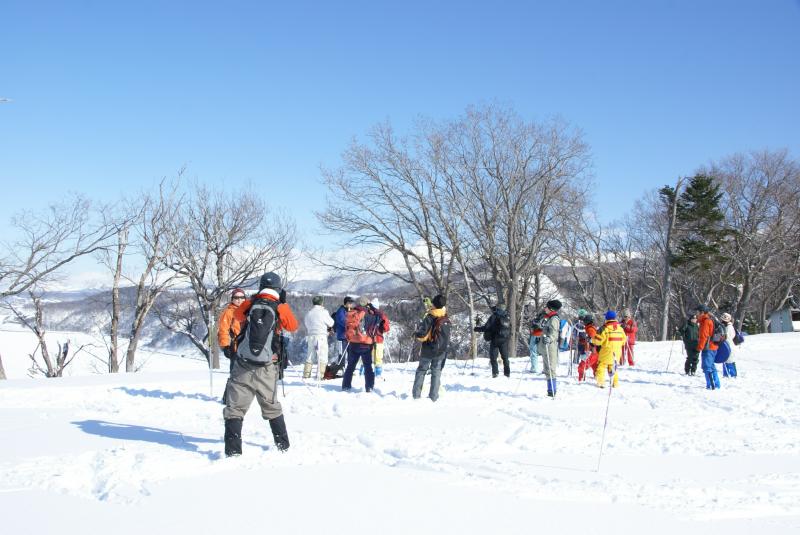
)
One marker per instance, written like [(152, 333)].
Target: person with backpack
[(548, 331), (255, 371), (229, 327), (610, 338), (434, 333), (689, 334), (339, 319), (318, 322), (729, 366), (707, 346), (360, 327), (629, 326), (497, 331)]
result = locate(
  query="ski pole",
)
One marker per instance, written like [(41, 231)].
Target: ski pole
[(671, 347), (605, 422)]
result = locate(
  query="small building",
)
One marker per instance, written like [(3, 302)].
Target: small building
[(784, 320)]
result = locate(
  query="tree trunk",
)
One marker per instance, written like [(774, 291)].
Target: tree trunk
[(113, 350), (667, 284), (2, 370)]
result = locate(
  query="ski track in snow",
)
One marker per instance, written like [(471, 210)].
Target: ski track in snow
[(670, 444)]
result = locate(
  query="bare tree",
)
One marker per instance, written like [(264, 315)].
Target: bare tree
[(50, 367), (157, 230), (47, 242), (520, 181), (229, 238)]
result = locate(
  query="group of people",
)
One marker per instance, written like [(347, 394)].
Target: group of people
[(702, 340), (595, 348), (251, 330)]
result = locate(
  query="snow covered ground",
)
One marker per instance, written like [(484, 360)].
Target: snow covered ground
[(142, 453)]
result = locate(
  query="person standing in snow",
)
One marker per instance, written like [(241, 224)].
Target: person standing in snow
[(229, 327), (318, 323), (339, 319), (611, 339), (629, 326), (729, 366), (434, 333), (689, 334), (497, 331), (255, 371), (707, 347), (358, 325), (548, 331), (591, 350)]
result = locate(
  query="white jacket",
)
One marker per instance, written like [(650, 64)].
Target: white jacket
[(317, 321), (730, 332)]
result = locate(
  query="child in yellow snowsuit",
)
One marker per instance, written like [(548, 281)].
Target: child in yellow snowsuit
[(611, 338)]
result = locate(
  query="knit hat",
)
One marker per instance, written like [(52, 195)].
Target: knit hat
[(363, 301), (582, 312), (439, 301), (726, 318), (554, 304), (270, 280), (316, 300), (611, 315), (237, 292), (702, 308)]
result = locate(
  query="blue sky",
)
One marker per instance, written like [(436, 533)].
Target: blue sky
[(108, 97)]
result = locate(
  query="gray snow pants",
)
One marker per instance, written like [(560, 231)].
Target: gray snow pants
[(435, 365), (248, 381)]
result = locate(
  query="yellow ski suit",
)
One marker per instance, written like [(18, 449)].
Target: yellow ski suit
[(611, 340)]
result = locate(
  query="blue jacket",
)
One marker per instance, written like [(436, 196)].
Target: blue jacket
[(339, 318)]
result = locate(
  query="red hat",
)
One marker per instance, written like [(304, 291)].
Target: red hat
[(237, 291)]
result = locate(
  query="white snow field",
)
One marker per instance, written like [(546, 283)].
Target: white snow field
[(142, 453)]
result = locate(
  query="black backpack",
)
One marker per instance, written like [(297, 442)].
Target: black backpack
[(257, 336)]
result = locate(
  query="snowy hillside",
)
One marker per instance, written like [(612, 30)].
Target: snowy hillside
[(142, 453)]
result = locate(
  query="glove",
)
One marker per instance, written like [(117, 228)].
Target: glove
[(228, 352), (282, 296), (546, 340)]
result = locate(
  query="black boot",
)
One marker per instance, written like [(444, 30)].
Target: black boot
[(278, 426), (233, 437)]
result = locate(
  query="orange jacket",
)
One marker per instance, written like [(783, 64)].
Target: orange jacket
[(285, 314), (705, 332), (229, 327)]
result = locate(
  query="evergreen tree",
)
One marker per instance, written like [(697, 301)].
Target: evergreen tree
[(700, 225)]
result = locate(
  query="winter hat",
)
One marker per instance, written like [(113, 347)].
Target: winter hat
[(611, 315), (581, 313), (316, 300), (363, 301), (627, 313), (270, 280), (587, 319), (726, 318), (347, 300), (237, 292), (439, 301), (702, 308), (554, 304)]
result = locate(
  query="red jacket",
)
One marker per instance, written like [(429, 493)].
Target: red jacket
[(384, 328), (705, 332), (630, 328)]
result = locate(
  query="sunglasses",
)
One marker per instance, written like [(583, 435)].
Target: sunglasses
[(238, 297)]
